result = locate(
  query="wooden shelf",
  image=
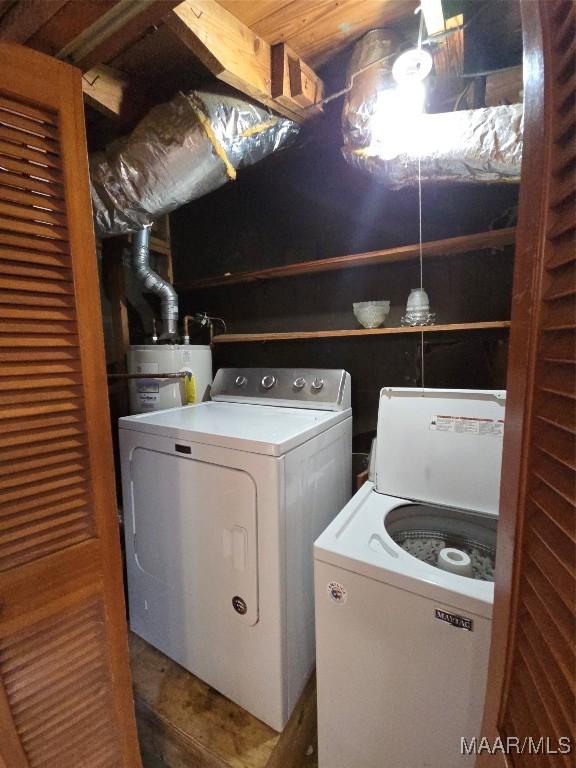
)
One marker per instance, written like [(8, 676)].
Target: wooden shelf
[(238, 338), (497, 238)]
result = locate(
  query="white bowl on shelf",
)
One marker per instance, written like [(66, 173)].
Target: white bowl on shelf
[(371, 314)]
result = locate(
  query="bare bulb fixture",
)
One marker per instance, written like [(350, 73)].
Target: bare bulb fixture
[(412, 66)]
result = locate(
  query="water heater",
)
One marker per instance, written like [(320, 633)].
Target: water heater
[(156, 394)]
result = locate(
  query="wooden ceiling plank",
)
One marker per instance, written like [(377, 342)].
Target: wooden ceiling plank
[(233, 53), (344, 23), (316, 29), (114, 31), (23, 19), (253, 12)]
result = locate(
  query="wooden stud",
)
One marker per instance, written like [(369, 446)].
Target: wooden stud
[(113, 271), (294, 83)]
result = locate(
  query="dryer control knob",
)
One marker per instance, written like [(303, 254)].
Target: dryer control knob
[(268, 381), (299, 383), (317, 385), (240, 381)]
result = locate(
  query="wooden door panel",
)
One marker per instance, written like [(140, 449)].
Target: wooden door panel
[(65, 694), (532, 679), (59, 689)]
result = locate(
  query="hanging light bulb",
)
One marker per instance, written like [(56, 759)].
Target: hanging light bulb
[(393, 119), (394, 122), (412, 66)]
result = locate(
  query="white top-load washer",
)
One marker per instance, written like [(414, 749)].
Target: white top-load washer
[(402, 643), (222, 503)]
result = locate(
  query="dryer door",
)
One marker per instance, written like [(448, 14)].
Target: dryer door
[(195, 531)]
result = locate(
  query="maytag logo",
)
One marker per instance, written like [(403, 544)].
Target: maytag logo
[(452, 618)]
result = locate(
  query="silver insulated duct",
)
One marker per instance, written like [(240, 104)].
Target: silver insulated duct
[(180, 151), (153, 282), (477, 145)]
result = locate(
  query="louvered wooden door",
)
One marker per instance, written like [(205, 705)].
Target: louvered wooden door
[(532, 679), (65, 694)]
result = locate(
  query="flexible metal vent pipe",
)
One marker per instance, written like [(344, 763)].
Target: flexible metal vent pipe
[(467, 146), (153, 282), (180, 151)]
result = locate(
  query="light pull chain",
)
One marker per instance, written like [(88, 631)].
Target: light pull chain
[(421, 263), (420, 31)]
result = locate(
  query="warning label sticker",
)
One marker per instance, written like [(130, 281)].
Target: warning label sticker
[(467, 425), (148, 387), (148, 395)]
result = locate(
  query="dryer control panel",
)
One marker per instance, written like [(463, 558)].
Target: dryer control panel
[(319, 388)]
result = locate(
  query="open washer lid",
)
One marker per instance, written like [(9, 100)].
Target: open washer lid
[(442, 446)]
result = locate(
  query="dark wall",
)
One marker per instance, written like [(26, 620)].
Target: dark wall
[(307, 203)]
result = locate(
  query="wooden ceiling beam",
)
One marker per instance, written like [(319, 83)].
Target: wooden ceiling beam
[(238, 57), (113, 31), (25, 17), (113, 94)]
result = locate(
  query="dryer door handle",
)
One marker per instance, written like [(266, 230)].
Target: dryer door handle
[(235, 546)]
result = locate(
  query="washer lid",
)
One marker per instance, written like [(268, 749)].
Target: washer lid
[(441, 445)]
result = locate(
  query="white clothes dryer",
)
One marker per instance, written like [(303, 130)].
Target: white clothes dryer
[(404, 587), (222, 503)]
